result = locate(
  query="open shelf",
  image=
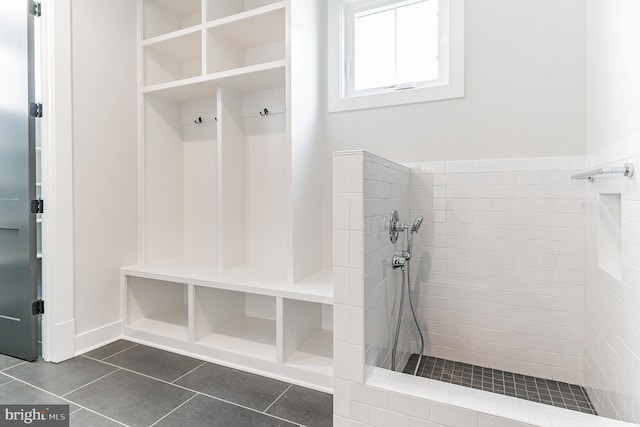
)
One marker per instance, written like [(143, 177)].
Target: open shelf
[(236, 322), (247, 39), (308, 336), (172, 59), (316, 354), (220, 9), (244, 79), (165, 16), (181, 179), (157, 307)]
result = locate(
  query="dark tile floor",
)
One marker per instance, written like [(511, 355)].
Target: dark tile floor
[(539, 390), (133, 385)]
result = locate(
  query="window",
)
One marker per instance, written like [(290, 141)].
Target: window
[(390, 52)]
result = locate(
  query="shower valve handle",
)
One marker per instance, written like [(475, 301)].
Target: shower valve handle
[(398, 261)]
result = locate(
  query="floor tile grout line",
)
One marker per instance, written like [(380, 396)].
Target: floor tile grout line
[(195, 391), (75, 412), (14, 366), (122, 351), (182, 376), (174, 409), (115, 354), (8, 382), (65, 399), (245, 407), (277, 398), (89, 383)]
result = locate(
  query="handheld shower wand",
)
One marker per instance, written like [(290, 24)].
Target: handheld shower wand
[(414, 229), (401, 260)]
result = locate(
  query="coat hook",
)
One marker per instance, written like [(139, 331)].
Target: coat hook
[(199, 121), (265, 113), (215, 118)]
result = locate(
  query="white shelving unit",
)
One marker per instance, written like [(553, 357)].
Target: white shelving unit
[(158, 306), (230, 264)]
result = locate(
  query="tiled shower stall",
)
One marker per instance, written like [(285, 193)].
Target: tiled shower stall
[(504, 274)]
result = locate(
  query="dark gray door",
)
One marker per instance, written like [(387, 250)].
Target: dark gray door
[(18, 262)]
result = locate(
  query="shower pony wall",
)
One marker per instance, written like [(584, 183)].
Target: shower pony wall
[(498, 270)]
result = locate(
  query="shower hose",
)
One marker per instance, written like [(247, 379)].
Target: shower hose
[(405, 270)]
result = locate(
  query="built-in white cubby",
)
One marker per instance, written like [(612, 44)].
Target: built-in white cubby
[(158, 307), (308, 335), (180, 181), (249, 38), (217, 9), (230, 210), (165, 16), (172, 59), (233, 316), (236, 321)]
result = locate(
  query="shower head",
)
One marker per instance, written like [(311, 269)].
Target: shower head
[(416, 224), (414, 229)]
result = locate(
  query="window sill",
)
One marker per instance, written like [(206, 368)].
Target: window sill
[(401, 97)]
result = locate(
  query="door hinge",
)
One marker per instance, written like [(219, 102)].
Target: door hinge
[(35, 8), (35, 109), (37, 206), (37, 307)]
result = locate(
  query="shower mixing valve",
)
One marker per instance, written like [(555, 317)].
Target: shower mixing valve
[(398, 261)]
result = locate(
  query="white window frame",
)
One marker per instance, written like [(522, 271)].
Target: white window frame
[(449, 85)]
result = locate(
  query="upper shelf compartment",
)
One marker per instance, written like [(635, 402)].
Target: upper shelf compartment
[(172, 59), (247, 38), (217, 9), (166, 16)]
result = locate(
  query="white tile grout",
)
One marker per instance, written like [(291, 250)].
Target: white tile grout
[(119, 368), (182, 376), (277, 398), (115, 354), (195, 391), (89, 383), (64, 399), (174, 409)]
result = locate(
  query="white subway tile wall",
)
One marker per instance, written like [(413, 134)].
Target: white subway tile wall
[(612, 336), (386, 188), (348, 262), (499, 263)]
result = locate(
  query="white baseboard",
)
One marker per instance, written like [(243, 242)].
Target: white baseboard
[(98, 337), (60, 344)]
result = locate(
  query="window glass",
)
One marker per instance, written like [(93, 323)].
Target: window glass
[(374, 50), (417, 42)]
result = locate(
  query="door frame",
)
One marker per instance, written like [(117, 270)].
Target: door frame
[(56, 133)]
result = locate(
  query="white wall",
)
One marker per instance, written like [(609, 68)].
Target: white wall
[(104, 153), (524, 95), (612, 341), (499, 263), (613, 87)]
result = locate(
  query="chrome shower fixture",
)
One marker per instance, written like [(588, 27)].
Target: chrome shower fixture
[(414, 229), (416, 224), (395, 226), (401, 260)]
